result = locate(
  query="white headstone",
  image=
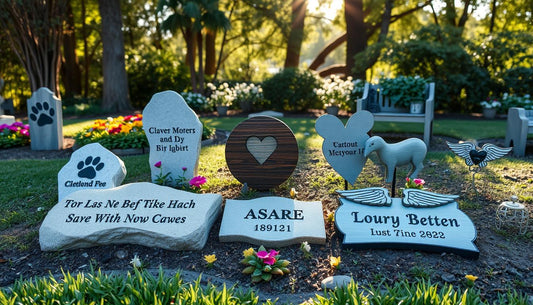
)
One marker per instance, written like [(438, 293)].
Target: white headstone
[(174, 133), (45, 117), (344, 147), (422, 220), (273, 222), (140, 213), (90, 167)]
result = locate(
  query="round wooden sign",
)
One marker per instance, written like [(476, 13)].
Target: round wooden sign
[(262, 152)]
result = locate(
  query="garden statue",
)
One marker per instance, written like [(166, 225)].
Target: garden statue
[(410, 151), (476, 158)]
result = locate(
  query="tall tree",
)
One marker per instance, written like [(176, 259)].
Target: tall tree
[(34, 30), (296, 35), (116, 95), (356, 36), (70, 69), (191, 17)]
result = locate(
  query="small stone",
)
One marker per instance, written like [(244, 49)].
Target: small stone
[(336, 281), (448, 277), (84, 254), (513, 271), (121, 254)]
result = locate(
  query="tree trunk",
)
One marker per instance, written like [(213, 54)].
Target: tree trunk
[(296, 35), (356, 40), (190, 41), (116, 94), (200, 72), (494, 6), (210, 53), (85, 50), (70, 71)]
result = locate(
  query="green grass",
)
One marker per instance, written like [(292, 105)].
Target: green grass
[(141, 287)]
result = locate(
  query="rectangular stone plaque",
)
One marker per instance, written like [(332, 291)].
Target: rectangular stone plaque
[(138, 213), (273, 222)]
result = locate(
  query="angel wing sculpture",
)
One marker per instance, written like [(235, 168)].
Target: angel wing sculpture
[(377, 196), (475, 156)]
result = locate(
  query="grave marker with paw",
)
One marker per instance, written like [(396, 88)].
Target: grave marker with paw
[(46, 120)]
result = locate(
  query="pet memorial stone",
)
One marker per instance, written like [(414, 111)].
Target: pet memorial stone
[(90, 167), (421, 220), (174, 133), (262, 152), (344, 146), (45, 118), (139, 213), (272, 222)]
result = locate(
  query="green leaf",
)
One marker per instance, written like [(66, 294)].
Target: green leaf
[(257, 272), (266, 277)]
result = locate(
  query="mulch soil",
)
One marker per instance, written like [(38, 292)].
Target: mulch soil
[(505, 261)]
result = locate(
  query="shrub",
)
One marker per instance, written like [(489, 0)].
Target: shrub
[(519, 80), (336, 92), (16, 134), (81, 106), (403, 90), (292, 90), (197, 102)]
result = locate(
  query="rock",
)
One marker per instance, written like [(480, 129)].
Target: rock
[(336, 281), (448, 277), (138, 213), (174, 133), (90, 167), (266, 113)]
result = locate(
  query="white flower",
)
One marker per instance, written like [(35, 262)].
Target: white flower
[(136, 261), (306, 247)]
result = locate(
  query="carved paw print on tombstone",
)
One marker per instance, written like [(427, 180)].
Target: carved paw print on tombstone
[(42, 114), (262, 152), (343, 146), (89, 168)]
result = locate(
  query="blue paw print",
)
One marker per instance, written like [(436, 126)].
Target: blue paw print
[(42, 113), (88, 168)]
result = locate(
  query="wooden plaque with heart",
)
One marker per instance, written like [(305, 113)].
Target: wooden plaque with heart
[(262, 152)]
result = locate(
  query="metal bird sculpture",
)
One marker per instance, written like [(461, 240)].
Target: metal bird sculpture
[(476, 158)]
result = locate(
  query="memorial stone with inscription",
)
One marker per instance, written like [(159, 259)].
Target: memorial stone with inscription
[(90, 167), (174, 133), (138, 213), (46, 120), (273, 222), (344, 147)]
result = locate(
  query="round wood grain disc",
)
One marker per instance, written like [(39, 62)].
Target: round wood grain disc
[(262, 152)]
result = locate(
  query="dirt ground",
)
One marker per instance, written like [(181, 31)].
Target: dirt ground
[(505, 261)]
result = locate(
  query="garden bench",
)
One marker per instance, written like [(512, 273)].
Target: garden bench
[(519, 125), (383, 111)]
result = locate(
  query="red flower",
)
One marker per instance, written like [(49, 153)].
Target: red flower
[(158, 164), (197, 181)]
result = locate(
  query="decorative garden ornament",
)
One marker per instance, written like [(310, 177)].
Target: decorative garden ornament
[(476, 158)]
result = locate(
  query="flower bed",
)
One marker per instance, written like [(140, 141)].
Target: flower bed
[(123, 132), (16, 134)]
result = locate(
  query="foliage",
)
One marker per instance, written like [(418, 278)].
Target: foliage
[(81, 106), (193, 185), (197, 102), (249, 96), (490, 103), (223, 95), (112, 133), (335, 91), (403, 90), (438, 54), (16, 134), (261, 265), (292, 90), (519, 80), (151, 71), (414, 183), (510, 100)]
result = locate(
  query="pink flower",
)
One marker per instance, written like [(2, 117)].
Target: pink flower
[(407, 179), (158, 164), (419, 181), (269, 261), (262, 254), (184, 168), (273, 253), (197, 181)]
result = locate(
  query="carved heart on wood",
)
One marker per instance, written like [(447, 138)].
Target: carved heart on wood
[(261, 150), (343, 147), (477, 156)]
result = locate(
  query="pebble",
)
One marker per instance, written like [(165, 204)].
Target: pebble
[(84, 254), (336, 281), (448, 277), (121, 254)]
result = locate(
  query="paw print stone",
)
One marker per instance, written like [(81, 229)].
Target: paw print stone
[(90, 167), (46, 120)]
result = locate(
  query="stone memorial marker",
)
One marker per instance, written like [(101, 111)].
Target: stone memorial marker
[(140, 213), (174, 133), (46, 120), (90, 167), (369, 218), (272, 222), (262, 152), (344, 147)]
